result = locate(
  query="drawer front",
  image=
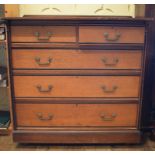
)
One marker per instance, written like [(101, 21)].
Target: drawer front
[(76, 115), (105, 34), (43, 34), (76, 86), (76, 59)]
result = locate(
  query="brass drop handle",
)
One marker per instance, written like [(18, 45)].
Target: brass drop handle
[(116, 38), (105, 117), (106, 90), (37, 34), (40, 89), (107, 63), (38, 61), (42, 118)]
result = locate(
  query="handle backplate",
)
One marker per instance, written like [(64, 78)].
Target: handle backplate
[(40, 89), (115, 38), (114, 62), (42, 118), (38, 61), (107, 90), (38, 36), (105, 117)]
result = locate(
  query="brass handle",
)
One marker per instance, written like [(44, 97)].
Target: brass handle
[(40, 89), (42, 118), (116, 38), (107, 63), (105, 117), (106, 90), (37, 34), (38, 61)]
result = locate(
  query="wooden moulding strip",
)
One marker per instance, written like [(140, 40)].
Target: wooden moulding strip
[(121, 136)]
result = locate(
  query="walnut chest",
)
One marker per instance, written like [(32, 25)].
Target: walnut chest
[(77, 79)]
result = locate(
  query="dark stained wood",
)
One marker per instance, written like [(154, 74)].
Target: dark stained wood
[(148, 76), (78, 72), (148, 117), (76, 17), (152, 136), (78, 46), (8, 144), (74, 100), (64, 137), (52, 45), (74, 20)]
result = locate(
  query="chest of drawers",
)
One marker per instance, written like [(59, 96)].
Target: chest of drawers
[(77, 79)]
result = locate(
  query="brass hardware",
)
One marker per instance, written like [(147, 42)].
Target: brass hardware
[(42, 118), (106, 90), (38, 61), (37, 34), (116, 38), (104, 117), (40, 89), (113, 63)]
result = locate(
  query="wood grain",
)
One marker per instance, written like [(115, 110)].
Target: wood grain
[(77, 86), (58, 33), (76, 114), (95, 34), (76, 59)]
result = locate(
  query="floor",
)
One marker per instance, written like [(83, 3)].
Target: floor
[(7, 144)]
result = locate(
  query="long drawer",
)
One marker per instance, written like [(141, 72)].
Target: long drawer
[(76, 59), (113, 34), (76, 86), (43, 34), (42, 115)]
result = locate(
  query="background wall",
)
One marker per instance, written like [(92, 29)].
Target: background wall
[(78, 9)]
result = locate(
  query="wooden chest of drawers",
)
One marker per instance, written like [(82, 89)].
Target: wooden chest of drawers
[(77, 79)]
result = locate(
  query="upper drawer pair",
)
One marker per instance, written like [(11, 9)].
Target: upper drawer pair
[(87, 34)]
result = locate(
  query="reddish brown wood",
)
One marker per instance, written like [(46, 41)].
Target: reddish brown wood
[(76, 115), (78, 81), (71, 59), (58, 33), (77, 86), (95, 34)]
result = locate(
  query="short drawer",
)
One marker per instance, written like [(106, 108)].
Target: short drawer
[(46, 115), (43, 34), (76, 59), (76, 86), (106, 34)]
